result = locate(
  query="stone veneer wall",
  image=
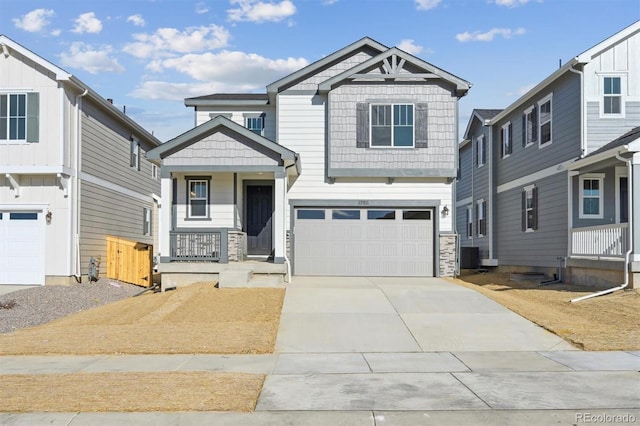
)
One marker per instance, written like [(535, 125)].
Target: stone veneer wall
[(237, 242), (447, 254)]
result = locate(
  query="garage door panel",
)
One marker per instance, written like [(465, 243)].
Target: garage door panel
[(21, 248)]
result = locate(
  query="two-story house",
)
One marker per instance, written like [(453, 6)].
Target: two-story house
[(517, 201), (72, 171), (344, 167)]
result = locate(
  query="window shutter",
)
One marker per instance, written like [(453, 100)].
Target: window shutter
[(132, 160), (33, 117), (477, 152), (421, 129), (524, 130), (484, 149), (362, 125), (477, 220), (501, 143), (534, 119), (524, 211), (510, 130), (483, 224), (534, 195)]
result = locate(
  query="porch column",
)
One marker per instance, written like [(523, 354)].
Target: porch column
[(280, 191), (635, 207), (165, 219)]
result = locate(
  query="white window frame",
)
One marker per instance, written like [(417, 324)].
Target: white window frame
[(529, 191), (600, 178), (482, 216), (190, 198), (154, 171), (135, 153), (541, 102), (530, 140), (470, 222), (482, 149), (506, 139), (250, 119), (392, 120), (146, 221), (623, 88), (8, 117)]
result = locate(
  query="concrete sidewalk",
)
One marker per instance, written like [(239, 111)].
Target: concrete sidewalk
[(379, 351)]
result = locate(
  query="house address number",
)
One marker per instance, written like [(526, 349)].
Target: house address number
[(363, 202)]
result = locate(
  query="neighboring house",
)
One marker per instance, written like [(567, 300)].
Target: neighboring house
[(533, 206), (72, 170), (344, 167)]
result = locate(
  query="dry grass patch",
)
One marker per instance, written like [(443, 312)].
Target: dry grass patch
[(99, 392), (610, 322), (195, 319)]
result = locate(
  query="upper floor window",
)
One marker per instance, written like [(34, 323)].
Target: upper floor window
[(481, 151), (612, 101), (198, 198), (392, 125), (481, 218), (154, 171), (19, 117), (545, 117), (134, 158), (529, 127), (146, 221), (255, 124), (529, 208), (506, 137), (591, 196)]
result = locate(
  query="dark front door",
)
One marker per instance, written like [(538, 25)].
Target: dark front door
[(259, 212)]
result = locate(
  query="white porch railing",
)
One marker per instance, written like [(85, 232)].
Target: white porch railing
[(600, 241)]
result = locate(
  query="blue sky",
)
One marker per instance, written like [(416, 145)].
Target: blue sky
[(148, 55)]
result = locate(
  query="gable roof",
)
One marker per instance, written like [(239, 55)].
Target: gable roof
[(583, 58), (213, 126), (629, 142), (483, 116), (302, 73), (7, 45), (394, 71), (229, 99)]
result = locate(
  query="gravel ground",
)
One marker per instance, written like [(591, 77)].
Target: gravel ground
[(39, 305)]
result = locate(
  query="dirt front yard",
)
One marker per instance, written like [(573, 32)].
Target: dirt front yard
[(610, 322)]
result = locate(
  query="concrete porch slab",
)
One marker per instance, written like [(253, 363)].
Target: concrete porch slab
[(508, 361), (595, 361)]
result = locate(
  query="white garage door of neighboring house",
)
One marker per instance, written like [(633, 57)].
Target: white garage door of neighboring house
[(21, 248), (363, 242)]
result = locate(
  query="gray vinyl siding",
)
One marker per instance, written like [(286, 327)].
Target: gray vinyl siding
[(106, 151), (441, 127), (463, 186), (565, 142), (543, 246), (601, 131), (609, 204), (105, 212)]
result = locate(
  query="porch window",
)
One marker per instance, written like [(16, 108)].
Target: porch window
[(612, 101), (529, 209), (481, 221), (469, 222), (392, 125), (591, 196), (198, 198), (481, 151), (529, 127), (506, 137), (545, 118)]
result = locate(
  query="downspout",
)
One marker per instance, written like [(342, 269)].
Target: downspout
[(76, 187), (630, 231), (583, 129), (284, 227), (490, 196)]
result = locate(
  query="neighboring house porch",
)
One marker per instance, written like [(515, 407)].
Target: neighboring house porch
[(227, 189), (604, 211)]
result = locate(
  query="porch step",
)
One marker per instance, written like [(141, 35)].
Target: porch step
[(264, 280), (234, 278)]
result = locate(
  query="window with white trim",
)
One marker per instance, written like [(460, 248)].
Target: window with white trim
[(530, 126), (545, 120), (481, 151), (592, 196), (255, 124), (392, 125), (506, 137), (470, 222), (612, 96), (481, 221), (19, 117), (146, 221), (154, 171), (134, 159), (529, 208), (198, 198)]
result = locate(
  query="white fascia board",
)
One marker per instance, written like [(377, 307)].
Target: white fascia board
[(37, 170), (596, 50), (540, 174), (596, 158), (61, 74)]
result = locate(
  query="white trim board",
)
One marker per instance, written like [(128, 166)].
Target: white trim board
[(540, 174), (115, 187)]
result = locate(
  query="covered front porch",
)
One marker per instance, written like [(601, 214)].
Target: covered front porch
[(224, 188)]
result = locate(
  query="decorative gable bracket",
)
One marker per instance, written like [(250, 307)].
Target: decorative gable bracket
[(63, 180), (14, 184)]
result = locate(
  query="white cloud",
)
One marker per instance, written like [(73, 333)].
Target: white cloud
[(410, 47), (521, 90), (87, 23), (489, 35), (90, 59), (34, 21), (167, 41), (511, 3), (166, 91), (329, 2), (201, 8), (260, 11), (56, 32), (136, 20), (427, 4), (238, 70)]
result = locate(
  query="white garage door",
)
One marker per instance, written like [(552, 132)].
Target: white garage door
[(21, 248), (363, 242)]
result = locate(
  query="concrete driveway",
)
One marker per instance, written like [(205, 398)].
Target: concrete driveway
[(339, 314)]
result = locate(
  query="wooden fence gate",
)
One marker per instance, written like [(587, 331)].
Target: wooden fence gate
[(129, 261)]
